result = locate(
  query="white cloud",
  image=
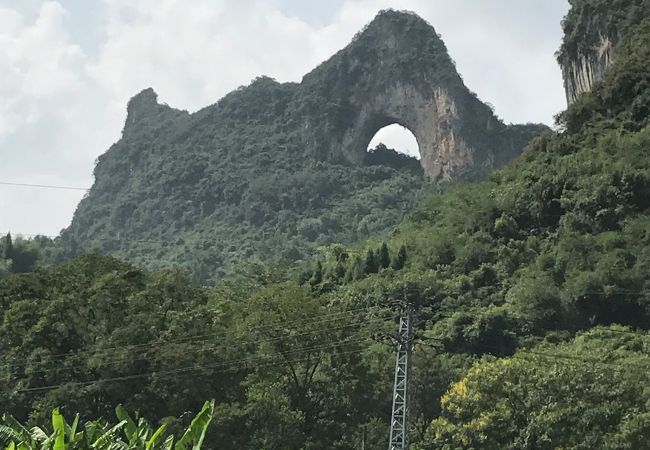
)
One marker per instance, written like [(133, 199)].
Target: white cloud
[(63, 107)]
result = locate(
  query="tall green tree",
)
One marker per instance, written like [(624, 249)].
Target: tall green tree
[(371, 265), (8, 247), (383, 256), (399, 259)]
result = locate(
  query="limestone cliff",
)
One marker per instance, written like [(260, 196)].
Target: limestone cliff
[(592, 30), (397, 70), (582, 70)]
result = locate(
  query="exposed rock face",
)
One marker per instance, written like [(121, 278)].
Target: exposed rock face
[(144, 110), (584, 69), (592, 30), (398, 71)]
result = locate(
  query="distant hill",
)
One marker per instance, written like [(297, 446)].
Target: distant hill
[(274, 170)]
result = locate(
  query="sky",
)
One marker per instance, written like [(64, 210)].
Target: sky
[(69, 67)]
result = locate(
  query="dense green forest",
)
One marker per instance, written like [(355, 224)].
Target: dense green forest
[(531, 290)]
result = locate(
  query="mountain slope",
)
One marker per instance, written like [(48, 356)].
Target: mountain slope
[(273, 170)]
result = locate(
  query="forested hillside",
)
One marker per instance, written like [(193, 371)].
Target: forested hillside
[(530, 288), (265, 174)]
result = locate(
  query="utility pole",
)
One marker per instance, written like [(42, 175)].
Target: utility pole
[(399, 426)]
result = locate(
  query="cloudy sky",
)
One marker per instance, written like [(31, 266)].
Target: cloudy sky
[(68, 68)]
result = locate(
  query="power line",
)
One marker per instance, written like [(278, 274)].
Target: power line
[(119, 358), (225, 365), (191, 340), (623, 364), (118, 350), (43, 186), (115, 361), (106, 351), (48, 186), (522, 353), (243, 363)]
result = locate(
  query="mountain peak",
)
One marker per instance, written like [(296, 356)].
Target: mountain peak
[(397, 19), (141, 105), (397, 70), (144, 108), (403, 29)]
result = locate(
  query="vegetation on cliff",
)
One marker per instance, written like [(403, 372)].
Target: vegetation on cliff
[(263, 174), (593, 30), (588, 21)]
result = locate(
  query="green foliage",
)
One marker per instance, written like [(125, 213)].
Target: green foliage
[(258, 346), (384, 156), (18, 255), (229, 185), (278, 426), (195, 434), (371, 264), (399, 260), (589, 393), (590, 20), (383, 257), (100, 435)]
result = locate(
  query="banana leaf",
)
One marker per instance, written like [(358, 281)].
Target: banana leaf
[(193, 437), (58, 424)]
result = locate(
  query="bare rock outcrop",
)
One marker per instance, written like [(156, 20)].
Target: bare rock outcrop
[(592, 31)]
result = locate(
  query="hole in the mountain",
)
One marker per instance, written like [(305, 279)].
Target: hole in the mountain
[(395, 146), (398, 138)]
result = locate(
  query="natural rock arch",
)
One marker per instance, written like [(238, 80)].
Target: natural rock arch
[(397, 70), (398, 138), (431, 120)]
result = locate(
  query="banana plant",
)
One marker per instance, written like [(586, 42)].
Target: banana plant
[(127, 434), (14, 436), (195, 434)]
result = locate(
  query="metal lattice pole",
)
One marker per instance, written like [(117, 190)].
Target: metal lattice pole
[(399, 437)]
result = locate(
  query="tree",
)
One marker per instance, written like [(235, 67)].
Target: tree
[(339, 271), (354, 270), (589, 393), (276, 426), (8, 247), (24, 255), (317, 276), (400, 259), (306, 354), (383, 256), (371, 264)]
